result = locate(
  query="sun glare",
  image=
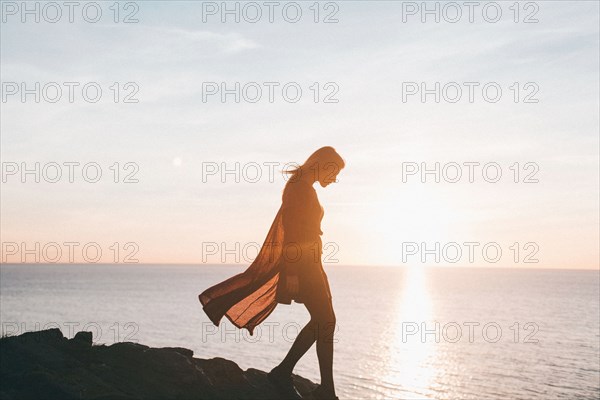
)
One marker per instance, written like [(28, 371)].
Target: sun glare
[(417, 214), (411, 359)]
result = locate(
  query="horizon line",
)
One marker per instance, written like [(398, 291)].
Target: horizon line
[(325, 265)]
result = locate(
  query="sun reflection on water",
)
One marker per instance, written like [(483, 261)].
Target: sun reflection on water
[(410, 372)]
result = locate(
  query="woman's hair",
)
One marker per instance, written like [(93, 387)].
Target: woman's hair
[(324, 158)]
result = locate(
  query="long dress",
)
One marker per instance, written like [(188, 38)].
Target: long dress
[(292, 247)]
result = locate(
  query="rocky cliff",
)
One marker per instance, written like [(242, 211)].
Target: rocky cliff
[(46, 365)]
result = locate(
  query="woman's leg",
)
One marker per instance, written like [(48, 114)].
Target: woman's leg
[(303, 342), (325, 321), (320, 328)]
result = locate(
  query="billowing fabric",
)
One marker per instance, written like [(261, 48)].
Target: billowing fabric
[(292, 247)]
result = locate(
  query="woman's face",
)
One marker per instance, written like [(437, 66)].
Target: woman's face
[(328, 174)]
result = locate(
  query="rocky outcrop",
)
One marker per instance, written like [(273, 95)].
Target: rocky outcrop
[(46, 365)]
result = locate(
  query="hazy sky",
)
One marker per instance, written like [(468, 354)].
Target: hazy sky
[(374, 54)]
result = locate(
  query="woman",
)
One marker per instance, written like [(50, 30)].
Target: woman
[(288, 267)]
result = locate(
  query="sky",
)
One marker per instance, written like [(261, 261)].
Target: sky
[(164, 138)]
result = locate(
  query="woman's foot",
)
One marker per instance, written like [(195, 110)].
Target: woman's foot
[(323, 393), (284, 384)]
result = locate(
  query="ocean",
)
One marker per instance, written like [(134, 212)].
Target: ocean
[(403, 333)]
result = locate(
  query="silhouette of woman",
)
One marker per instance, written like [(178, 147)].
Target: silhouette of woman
[(288, 267)]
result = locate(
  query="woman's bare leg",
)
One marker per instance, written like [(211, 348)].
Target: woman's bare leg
[(325, 331), (321, 329), (303, 342)]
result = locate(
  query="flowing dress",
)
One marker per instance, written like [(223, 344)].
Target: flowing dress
[(292, 247)]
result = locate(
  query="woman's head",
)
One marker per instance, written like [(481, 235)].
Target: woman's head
[(323, 166)]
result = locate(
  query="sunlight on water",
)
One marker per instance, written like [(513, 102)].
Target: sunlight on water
[(411, 359), (373, 304)]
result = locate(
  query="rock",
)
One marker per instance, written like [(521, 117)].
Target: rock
[(46, 365), (85, 338)]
